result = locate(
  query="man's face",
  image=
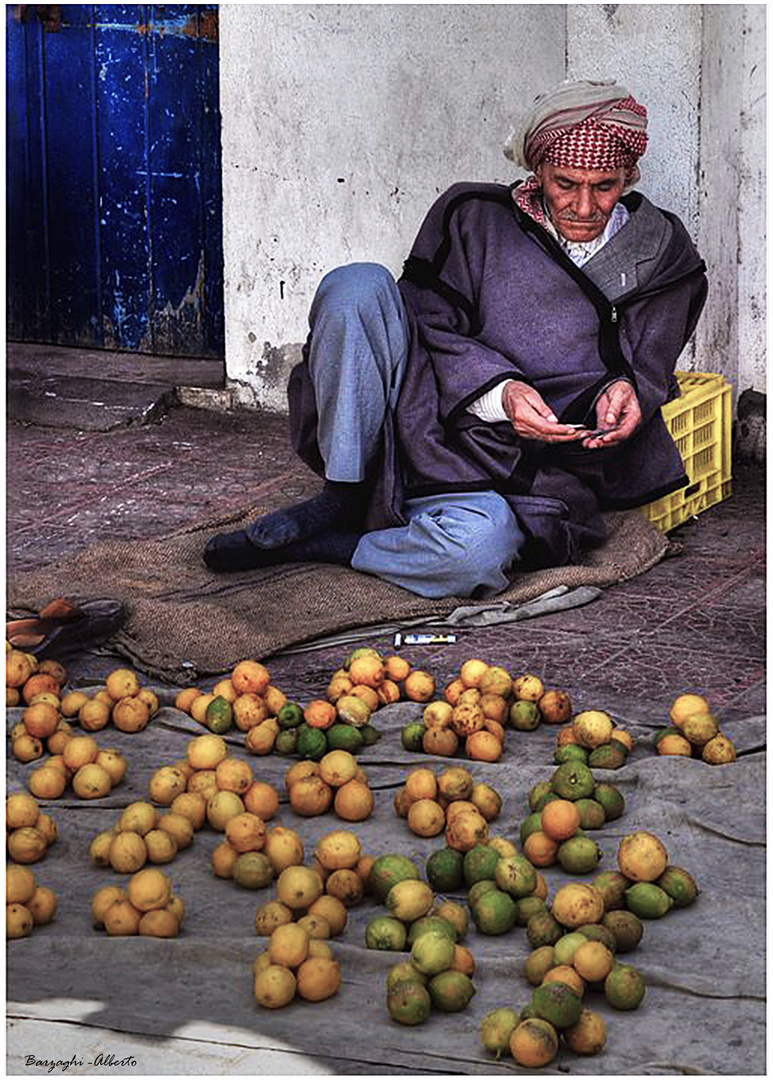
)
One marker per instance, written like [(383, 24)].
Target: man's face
[(580, 200)]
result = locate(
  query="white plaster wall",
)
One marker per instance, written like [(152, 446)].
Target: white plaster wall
[(752, 205), (341, 123), (654, 50)]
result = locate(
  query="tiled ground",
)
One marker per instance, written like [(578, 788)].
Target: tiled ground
[(695, 621)]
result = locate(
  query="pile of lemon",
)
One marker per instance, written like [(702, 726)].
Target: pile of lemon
[(477, 706), (378, 680), (295, 964), (334, 782), (451, 801), (245, 699), (577, 955), (438, 972), (27, 904), (595, 739), (147, 907), (694, 732), (28, 679), (562, 810), (90, 770), (301, 897), (650, 886), (49, 711), (28, 832), (141, 835)]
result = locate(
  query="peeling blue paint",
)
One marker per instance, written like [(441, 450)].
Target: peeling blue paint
[(114, 199)]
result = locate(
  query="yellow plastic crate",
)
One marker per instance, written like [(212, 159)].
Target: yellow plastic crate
[(700, 423)]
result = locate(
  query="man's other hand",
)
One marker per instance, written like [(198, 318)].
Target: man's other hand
[(618, 409), (532, 418)]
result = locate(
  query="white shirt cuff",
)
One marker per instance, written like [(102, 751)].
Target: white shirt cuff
[(489, 406)]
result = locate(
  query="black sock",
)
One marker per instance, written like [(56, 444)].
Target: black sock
[(339, 507), (234, 551)]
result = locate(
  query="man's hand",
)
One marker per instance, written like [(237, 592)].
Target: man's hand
[(532, 418), (617, 408)]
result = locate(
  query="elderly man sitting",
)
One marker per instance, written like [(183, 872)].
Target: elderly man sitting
[(475, 417)]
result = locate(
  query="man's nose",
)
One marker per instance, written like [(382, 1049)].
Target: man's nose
[(586, 206)]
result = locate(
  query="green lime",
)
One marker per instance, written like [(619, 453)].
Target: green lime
[(403, 972), (567, 946), (538, 792), (445, 870), (432, 952), (680, 886), (479, 863), (626, 927), (312, 743), (344, 737), (219, 716), (384, 932), (525, 716), (611, 755), (611, 799), (579, 855), (494, 912), (572, 781), (543, 929), (516, 876), (528, 906), (624, 987), (427, 923), (648, 901), (409, 1003), (451, 991), (252, 870), (387, 870), (612, 885), (538, 963), (369, 734), (530, 824), (480, 888), (598, 932), (290, 715), (592, 814), (287, 741), (496, 1027), (557, 1003), (412, 736), (543, 800), (570, 752)]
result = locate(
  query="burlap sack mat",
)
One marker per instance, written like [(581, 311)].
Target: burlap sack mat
[(185, 622)]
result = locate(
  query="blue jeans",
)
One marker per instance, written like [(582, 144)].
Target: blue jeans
[(457, 544)]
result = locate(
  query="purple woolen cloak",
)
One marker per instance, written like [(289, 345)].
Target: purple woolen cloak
[(491, 295)]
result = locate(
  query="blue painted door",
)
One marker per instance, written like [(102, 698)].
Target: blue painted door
[(114, 235)]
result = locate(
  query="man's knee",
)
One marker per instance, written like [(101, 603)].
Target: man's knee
[(479, 547), (351, 285)]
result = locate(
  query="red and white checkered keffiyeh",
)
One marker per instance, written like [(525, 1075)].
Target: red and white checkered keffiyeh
[(582, 125)]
